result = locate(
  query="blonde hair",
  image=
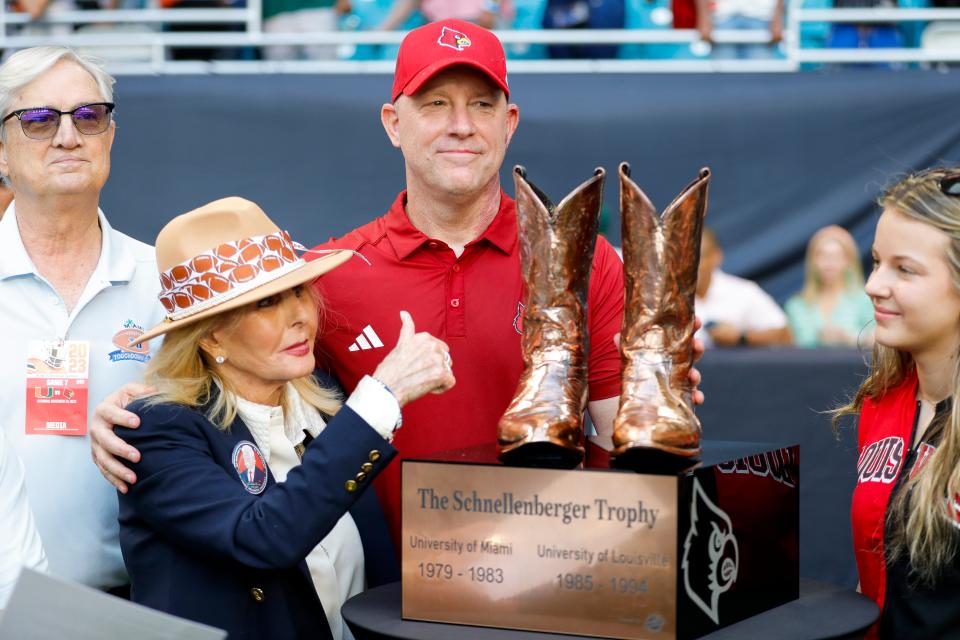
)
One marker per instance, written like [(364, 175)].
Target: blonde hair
[(852, 275), (919, 519), (183, 373)]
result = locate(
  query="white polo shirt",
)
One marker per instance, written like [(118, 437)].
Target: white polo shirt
[(738, 302), (75, 508), (19, 542)]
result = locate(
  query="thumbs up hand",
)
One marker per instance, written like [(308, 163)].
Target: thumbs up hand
[(419, 364)]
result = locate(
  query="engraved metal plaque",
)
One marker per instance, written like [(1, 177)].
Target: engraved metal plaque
[(541, 550), (601, 552)]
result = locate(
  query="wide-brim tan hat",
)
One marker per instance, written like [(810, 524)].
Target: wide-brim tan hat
[(224, 255)]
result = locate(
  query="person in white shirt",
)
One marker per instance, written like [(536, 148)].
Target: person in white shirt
[(20, 544), (734, 311), (75, 293), (730, 15)]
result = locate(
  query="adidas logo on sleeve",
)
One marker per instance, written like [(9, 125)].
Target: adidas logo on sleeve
[(368, 339)]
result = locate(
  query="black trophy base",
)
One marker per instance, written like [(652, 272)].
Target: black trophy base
[(638, 546), (542, 455)]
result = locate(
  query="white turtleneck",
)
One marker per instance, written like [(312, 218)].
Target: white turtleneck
[(336, 564)]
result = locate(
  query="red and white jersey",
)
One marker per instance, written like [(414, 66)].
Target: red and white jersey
[(884, 435)]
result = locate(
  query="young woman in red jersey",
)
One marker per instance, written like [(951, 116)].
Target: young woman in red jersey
[(906, 505)]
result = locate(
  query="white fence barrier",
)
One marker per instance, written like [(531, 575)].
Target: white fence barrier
[(133, 41)]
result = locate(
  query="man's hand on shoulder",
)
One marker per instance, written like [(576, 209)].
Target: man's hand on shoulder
[(105, 446)]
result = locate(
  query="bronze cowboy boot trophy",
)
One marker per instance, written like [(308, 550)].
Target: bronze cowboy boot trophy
[(543, 425), (660, 260)]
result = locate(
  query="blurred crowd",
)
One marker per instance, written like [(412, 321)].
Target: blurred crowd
[(706, 16), (830, 310)]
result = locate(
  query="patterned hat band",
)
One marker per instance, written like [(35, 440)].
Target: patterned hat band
[(227, 271)]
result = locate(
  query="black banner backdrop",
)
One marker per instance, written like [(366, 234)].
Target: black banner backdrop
[(790, 153)]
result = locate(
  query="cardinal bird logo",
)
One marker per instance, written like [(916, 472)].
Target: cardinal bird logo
[(454, 39), (711, 557), (248, 461)]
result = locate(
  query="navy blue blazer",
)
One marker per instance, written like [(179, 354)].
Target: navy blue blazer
[(199, 542)]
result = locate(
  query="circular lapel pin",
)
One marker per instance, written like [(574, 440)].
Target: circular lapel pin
[(250, 466)]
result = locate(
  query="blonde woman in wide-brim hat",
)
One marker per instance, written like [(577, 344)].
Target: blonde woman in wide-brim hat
[(252, 511)]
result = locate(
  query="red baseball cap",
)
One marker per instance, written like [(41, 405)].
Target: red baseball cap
[(429, 49)]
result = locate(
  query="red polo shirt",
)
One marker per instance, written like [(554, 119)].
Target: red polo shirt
[(473, 303)]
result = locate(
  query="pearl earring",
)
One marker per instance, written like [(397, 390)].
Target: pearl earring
[(220, 359)]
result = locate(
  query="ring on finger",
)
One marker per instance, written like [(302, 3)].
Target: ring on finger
[(447, 361)]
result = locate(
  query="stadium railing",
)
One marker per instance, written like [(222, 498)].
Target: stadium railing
[(146, 49)]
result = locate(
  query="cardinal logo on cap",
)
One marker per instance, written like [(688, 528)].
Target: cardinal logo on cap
[(453, 39)]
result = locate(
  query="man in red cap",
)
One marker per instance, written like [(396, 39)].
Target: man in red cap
[(447, 251)]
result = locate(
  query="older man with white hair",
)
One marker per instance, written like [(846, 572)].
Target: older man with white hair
[(76, 293)]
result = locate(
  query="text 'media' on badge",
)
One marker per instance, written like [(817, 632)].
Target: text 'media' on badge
[(57, 384)]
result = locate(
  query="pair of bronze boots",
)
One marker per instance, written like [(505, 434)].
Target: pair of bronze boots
[(544, 422)]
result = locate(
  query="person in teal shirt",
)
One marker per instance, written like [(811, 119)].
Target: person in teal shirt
[(831, 310)]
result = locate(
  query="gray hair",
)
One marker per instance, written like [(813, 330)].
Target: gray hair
[(25, 66)]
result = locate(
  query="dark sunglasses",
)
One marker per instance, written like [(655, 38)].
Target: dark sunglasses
[(41, 123), (950, 184)]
